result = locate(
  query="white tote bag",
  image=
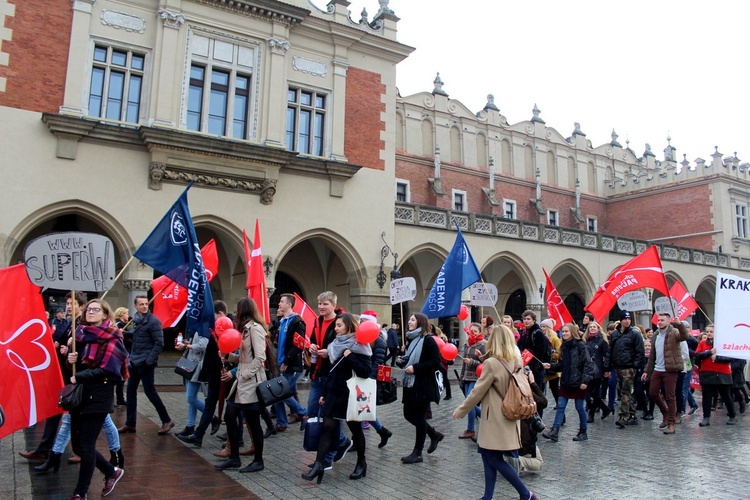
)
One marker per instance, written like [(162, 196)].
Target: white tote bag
[(362, 399)]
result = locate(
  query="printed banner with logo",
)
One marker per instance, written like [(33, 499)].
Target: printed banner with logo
[(732, 324)]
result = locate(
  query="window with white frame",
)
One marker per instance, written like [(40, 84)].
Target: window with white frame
[(509, 209), (402, 191), (552, 218), (116, 83), (591, 224), (305, 121), (740, 217), (460, 203), (220, 87)]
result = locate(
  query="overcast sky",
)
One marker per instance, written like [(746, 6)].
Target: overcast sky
[(648, 69)]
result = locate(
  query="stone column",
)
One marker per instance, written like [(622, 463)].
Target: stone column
[(169, 70), (136, 287)]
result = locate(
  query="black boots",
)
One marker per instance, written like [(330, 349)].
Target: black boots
[(415, 457), (52, 462), (116, 458), (360, 470), (317, 470), (434, 441), (581, 436), (385, 435), (552, 434), (187, 431)]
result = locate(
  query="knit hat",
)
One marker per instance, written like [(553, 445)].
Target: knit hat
[(369, 315), (625, 315), (549, 322)]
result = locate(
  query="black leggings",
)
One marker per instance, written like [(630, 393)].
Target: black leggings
[(252, 417), (84, 430), (414, 413), (710, 391), (595, 394), (330, 436)]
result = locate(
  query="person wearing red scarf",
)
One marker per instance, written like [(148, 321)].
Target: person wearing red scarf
[(473, 353)]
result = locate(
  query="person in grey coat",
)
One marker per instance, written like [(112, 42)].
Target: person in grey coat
[(148, 342)]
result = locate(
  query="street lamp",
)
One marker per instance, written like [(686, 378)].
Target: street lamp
[(381, 277)]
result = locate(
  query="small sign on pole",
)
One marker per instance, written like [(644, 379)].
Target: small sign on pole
[(483, 294), (634, 301), (71, 261), (403, 289), (662, 305)]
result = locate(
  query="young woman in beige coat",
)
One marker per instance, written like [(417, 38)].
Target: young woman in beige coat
[(498, 433)]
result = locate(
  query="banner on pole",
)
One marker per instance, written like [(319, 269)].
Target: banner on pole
[(403, 289), (732, 325), (634, 301), (483, 294)]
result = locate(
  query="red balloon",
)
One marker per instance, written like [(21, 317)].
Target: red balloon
[(222, 324), (230, 340), (449, 351), (463, 313), (479, 369), (367, 332), (440, 342)]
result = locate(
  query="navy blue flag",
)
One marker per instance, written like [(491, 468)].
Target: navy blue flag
[(172, 249), (458, 272)]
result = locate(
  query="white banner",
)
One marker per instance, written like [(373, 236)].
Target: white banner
[(71, 261), (483, 294), (403, 289), (634, 301), (662, 305), (732, 322)]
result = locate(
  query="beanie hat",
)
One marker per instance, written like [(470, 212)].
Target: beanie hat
[(369, 315), (625, 315), (549, 322)]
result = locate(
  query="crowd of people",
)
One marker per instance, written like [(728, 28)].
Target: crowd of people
[(111, 354)]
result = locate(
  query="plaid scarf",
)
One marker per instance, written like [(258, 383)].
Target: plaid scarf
[(103, 348)]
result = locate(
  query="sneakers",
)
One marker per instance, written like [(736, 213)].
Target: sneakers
[(341, 453), (633, 421), (366, 425), (732, 421), (705, 422), (111, 481), (326, 465), (693, 410), (621, 423)]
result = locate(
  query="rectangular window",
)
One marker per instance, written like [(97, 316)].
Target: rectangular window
[(741, 219), (509, 209), (591, 224), (116, 85), (305, 121), (402, 191), (220, 88), (460, 203), (552, 218)]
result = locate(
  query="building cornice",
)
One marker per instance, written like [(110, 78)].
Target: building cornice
[(263, 9)]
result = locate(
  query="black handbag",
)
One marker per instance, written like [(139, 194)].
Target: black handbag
[(274, 390), (313, 431), (387, 392), (70, 396), (186, 367)]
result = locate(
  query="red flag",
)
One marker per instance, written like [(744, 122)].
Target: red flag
[(644, 270), (256, 277), (171, 299), (556, 308), (686, 304), (307, 314), (526, 356), (29, 369)]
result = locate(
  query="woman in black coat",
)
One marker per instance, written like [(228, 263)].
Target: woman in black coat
[(577, 372), (102, 363), (598, 347), (346, 355), (419, 363)]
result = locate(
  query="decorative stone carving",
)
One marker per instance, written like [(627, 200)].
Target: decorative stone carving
[(137, 285), (121, 20), (309, 67), (155, 175), (279, 46), (171, 19)]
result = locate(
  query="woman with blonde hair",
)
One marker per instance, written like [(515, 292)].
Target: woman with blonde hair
[(498, 434), (577, 373), (508, 321)]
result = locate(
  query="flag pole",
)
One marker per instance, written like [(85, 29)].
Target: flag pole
[(118, 275), (403, 342), (73, 308)]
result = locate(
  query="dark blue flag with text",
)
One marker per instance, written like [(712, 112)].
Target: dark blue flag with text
[(172, 249), (459, 271)]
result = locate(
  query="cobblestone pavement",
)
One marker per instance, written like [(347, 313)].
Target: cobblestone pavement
[(637, 462)]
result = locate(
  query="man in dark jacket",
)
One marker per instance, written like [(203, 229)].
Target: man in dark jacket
[(536, 342), (289, 360), (394, 346), (626, 355), (148, 342)]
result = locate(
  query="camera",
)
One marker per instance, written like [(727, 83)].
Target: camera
[(536, 423), (402, 361), (526, 369)]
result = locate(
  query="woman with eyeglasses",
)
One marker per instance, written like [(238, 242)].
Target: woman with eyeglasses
[(102, 362), (598, 347)]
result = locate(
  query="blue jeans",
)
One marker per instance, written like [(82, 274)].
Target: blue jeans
[(63, 434), (687, 396), (612, 390), (561, 404), (493, 463), (476, 412), (195, 404), (143, 373), (313, 406), (292, 403)]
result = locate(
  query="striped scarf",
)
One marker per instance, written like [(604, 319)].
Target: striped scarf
[(103, 348)]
